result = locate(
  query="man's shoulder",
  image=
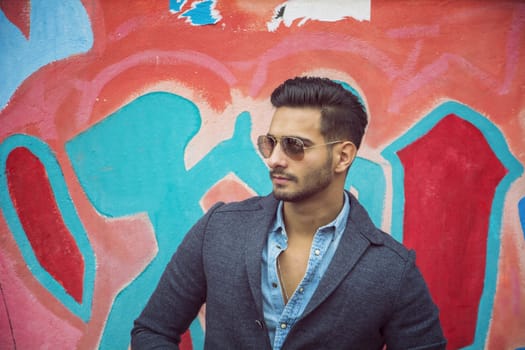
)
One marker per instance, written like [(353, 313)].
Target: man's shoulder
[(394, 245), (375, 235), (249, 204)]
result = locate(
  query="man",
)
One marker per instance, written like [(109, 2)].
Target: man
[(304, 267)]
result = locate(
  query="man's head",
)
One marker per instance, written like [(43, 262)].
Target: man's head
[(343, 117), (313, 138)]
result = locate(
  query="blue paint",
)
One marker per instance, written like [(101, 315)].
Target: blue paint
[(521, 210), (176, 5), (58, 29), (352, 90), (133, 161), (197, 334), (69, 215), (368, 179), (498, 144), (202, 13)]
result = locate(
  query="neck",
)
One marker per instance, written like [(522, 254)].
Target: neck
[(304, 218)]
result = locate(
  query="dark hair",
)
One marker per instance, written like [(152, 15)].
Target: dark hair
[(343, 117)]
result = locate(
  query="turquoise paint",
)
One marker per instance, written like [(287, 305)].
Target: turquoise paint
[(521, 211), (176, 5), (58, 29), (133, 161), (352, 90), (368, 179), (498, 144), (69, 215), (197, 335), (202, 13)]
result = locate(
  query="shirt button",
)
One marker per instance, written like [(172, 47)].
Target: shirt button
[(283, 325), (274, 285), (301, 290), (278, 247), (317, 252)]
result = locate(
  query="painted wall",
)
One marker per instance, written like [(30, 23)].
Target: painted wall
[(121, 122)]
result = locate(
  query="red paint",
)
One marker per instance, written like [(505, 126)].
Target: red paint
[(185, 341), (52, 243), (451, 175), (19, 13)]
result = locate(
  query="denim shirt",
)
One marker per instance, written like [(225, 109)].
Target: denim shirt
[(280, 318)]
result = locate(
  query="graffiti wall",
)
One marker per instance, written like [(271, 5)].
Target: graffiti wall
[(121, 122)]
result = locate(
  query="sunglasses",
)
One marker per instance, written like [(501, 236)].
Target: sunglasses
[(293, 147)]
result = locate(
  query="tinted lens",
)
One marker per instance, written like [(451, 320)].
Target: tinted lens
[(292, 146), (266, 145)]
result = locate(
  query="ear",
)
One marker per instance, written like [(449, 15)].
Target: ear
[(345, 156)]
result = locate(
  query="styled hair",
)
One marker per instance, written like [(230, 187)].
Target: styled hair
[(343, 116)]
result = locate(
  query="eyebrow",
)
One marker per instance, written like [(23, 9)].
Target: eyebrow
[(305, 140)]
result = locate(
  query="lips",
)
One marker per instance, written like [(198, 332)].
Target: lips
[(280, 182), (280, 178)]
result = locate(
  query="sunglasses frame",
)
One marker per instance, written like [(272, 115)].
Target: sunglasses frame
[(285, 146)]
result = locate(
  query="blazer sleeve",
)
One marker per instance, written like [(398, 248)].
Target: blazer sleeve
[(415, 322), (178, 296)]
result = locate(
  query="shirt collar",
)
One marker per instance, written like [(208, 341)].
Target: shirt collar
[(339, 223)]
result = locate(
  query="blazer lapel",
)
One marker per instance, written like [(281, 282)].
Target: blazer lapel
[(351, 247), (355, 241), (255, 242)]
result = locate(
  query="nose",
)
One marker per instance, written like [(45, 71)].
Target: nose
[(278, 158)]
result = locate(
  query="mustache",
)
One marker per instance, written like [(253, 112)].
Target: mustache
[(281, 173)]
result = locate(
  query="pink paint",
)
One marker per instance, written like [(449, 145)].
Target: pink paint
[(226, 190), (28, 117), (515, 291), (123, 247), (36, 317), (515, 48), (7, 338), (157, 57), (430, 73), (297, 43), (422, 31), (411, 61)]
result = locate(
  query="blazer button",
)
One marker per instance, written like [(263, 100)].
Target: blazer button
[(259, 324)]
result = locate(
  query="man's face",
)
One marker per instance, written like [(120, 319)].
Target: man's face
[(297, 180)]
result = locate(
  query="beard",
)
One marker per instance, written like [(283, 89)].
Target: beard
[(313, 183)]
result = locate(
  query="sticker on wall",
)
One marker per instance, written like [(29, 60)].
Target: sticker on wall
[(325, 11)]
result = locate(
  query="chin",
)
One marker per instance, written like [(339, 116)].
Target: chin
[(288, 197), (280, 195)]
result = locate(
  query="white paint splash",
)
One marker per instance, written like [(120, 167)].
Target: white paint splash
[(325, 10)]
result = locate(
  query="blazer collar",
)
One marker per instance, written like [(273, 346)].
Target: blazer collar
[(255, 244), (359, 234)]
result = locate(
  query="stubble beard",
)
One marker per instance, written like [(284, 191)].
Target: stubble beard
[(313, 183)]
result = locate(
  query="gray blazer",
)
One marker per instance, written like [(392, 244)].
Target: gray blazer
[(372, 293)]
